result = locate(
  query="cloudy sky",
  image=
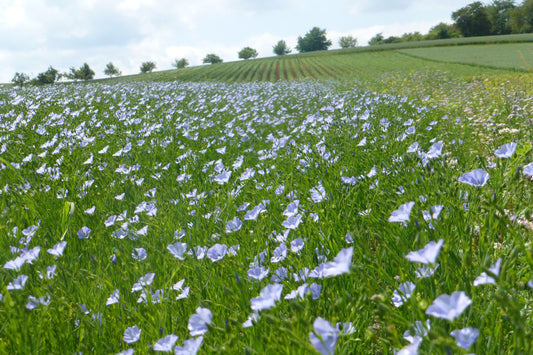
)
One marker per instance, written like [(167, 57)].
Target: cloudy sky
[(65, 33)]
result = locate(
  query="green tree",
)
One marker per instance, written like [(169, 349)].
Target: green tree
[(20, 79), (83, 73), (147, 67), (281, 48), (521, 19), (412, 37), (442, 31), (347, 42), (50, 76), (377, 39), (212, 59), (111, 70), (472, 20), (180, 64), (314, 40), (499, 14), (247, 53)]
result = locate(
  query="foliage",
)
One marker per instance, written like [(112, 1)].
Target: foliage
[(442, 31), (212, 59), (147, 67), (83, 73), (281, 48), (111, 70), (377, 39), (499, 14), (20, 79), (521, 19), (472, 20), (347, 42), (314, 40), (181, 63), (247, 53), (50, 76)]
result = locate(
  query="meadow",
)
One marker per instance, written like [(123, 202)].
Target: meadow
[(371, 211)]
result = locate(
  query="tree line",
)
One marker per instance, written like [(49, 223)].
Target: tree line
[(500, 17)]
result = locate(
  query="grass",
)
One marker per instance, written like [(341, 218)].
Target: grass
[(150, 155)]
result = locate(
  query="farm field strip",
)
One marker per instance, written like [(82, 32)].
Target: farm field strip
[(511, 56)]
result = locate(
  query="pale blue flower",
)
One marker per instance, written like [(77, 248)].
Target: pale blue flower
[(217, 252), (465, 337), (279, 254), (84, 232), (114, 298), (267, 297), (528, 169), (177, 249), (132, 334), (449, 306), (427, 255), (485, 279), (165, 344), (477, 177), (190, 346), (402, 213), (146, 280), (198, 322), (324, 336), (506, 150), (292, 222), (403, 293), (233, 225), (340, 264), (139, 254), (18, 283), (258, 273)]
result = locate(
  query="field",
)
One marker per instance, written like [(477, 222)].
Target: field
[(385, 206), (367, 63), (511, 56)]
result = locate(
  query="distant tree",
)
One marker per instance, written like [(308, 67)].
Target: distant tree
[(391, 39), (281, 48), (499, 14), (347, 42), (83, 73), (212, 59), (247, 53), (180, 64), (50, 76), (442, 31), (20, 79), (147, 67), (412, 37), (111, 70), (472, 20), (377, 39), (314, 40), (521, 18)]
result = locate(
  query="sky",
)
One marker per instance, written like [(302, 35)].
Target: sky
[(35, 34)]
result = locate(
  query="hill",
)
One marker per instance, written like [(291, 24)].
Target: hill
[(495, 55)]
